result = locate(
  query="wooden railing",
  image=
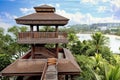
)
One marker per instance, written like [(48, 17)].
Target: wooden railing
[(24, 35), (44, 71)]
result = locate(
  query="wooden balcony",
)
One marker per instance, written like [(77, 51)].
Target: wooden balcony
[(42, 37)]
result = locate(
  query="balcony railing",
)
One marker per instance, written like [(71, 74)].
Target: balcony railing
[(35, 35)]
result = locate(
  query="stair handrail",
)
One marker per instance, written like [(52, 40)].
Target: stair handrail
[(44, 71)]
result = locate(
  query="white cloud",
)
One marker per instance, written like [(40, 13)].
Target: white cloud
[(105, 0), (116, 3), (9, 16), (115, 8), (101, 9), (94, 1), (90, 1), (26, 10), (31, 10), (79, 18), (57, 5), (4, 25)]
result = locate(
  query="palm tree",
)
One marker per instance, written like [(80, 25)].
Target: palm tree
[(109, 74), (98, 40)]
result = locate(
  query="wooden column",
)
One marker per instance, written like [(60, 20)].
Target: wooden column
[(57, 48), (33, 51), (56, 30), (66, 77), (72, 77), (31, 28), (32, 46), (37, 28)]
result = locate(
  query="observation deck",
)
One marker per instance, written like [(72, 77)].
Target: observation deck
[(42, 37)]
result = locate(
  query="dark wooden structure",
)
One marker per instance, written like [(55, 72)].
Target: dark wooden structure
[(41, 63)]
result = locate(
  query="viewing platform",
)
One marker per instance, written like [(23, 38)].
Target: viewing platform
[(42, 37)]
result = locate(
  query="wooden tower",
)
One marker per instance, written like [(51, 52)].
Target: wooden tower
[(41, 62)]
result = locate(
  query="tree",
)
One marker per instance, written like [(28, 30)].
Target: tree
[(98, 40), (72, 38), (4, 61), (18, 49), (47, 28)]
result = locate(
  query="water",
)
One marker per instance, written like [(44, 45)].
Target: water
[(114, 41)]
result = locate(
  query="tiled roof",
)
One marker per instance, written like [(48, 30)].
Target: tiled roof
[(25, 66), (44, 16), (66, 65)]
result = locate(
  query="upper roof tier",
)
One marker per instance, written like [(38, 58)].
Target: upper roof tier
[(44, 16), (44, 8)]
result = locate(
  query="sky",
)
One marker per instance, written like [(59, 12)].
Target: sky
[(78, 11)]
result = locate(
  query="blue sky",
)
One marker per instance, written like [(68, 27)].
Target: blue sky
[(78, 11)]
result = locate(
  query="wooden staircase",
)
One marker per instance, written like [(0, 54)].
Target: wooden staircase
[(42, 52), (50, 70)]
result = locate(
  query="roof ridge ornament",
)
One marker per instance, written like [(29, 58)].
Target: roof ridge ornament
[(44, 8)]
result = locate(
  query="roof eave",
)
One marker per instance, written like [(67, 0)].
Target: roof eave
[(42, 22)]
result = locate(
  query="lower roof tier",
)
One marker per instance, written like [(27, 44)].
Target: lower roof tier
[(27, 66), (24, 67)]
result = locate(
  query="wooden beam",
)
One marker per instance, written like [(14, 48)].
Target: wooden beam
[(22, 74)]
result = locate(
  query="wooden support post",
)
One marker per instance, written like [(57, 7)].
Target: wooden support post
[(56, 34), (66, 77), (56, 30), (37, 28), (31, 28), (57, 50), (33, 51), (72, 77)]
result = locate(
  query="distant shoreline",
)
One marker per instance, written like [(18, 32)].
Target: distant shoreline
[(114, 41)]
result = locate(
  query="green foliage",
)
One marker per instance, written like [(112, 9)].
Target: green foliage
[(98, 40), (80, 28), (113, 73), (95, 58), (47, 28), (75, 48), (72, 38), (17, 49), (97, 68), (4, 61), (86, 63), (90, 47)]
